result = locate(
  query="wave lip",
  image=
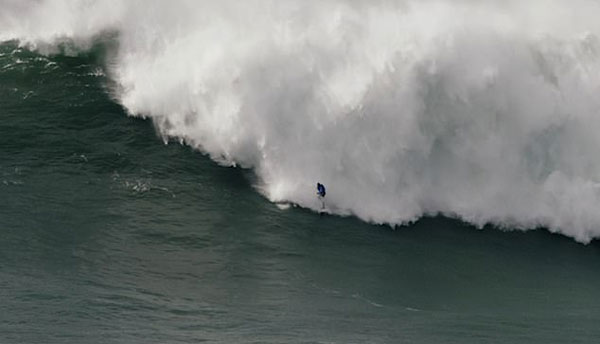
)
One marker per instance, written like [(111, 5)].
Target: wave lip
[(486, 112)]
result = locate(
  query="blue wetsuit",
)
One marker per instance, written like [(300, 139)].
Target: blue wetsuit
[(321, 189)]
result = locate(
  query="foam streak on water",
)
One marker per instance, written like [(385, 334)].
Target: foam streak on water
[(484, 111)]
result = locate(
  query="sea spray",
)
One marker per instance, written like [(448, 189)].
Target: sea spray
[(484, 111)]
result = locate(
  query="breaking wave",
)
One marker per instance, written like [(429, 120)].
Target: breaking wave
[(483, 111)]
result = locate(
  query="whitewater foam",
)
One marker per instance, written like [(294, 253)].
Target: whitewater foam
[(483, 111)]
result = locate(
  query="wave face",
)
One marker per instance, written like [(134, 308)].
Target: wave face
[(484, 111)]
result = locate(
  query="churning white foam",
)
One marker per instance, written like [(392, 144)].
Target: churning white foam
[(488, 112)]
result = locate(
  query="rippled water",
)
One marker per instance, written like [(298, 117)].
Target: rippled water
[(109, 236)]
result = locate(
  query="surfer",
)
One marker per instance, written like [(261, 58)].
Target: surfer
[(321, 192)]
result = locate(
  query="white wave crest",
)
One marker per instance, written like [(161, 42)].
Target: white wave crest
[(488, 112)]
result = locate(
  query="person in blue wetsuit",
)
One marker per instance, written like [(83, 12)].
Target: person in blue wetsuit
[(321, 192)]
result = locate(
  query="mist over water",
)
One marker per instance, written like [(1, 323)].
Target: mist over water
[(483, 111)]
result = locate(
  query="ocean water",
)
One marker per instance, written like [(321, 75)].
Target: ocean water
[(157, 167)]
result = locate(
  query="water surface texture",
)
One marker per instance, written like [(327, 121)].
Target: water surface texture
[(145, 151)]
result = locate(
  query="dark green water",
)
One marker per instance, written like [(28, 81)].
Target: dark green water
[(110, 236)]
